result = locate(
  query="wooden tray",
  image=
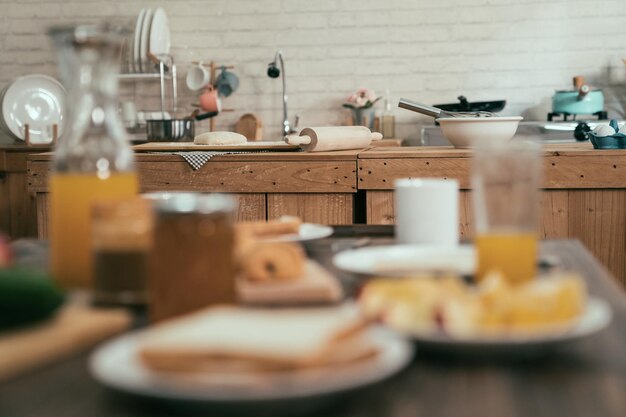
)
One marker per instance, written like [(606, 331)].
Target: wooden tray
[(190, 146), (316, 286)]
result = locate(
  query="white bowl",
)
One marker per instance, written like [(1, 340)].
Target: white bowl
[(467, 132)]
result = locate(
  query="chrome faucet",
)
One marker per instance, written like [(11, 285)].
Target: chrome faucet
[(274, 72)]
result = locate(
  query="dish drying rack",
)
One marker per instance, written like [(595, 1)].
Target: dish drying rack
[(166, 72)]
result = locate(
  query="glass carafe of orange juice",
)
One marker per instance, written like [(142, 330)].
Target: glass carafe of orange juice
[(93, 160), (505, 181)]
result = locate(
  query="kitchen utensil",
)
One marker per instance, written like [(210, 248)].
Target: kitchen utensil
[(197, 77), (174, 130), (159, 41), (145, 40), (136, 49), (581, 100), (465, 106), (35, 100), (210, 100), (466, 132), (608, 136), (117, 365), (436, 112), (227, 82), (274, 146), (427, 211), (250, 126), (403, 260), (333, 138)]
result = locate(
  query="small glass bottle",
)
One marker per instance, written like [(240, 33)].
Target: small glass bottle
[(93, 160), (388, 119)]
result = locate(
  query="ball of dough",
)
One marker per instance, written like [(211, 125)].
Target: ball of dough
[(219, 138)]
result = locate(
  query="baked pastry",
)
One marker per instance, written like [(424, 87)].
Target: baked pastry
[(272, 261), (219, 138), (284, 226)]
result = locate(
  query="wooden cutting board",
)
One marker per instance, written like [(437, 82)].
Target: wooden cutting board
[(74, 328), (250, 126), (274, 146), (316, 286)]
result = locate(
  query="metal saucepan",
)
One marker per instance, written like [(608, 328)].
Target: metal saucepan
[(174, 130), (581, 100)]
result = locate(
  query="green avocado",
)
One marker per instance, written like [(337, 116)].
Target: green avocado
[(26, 295)]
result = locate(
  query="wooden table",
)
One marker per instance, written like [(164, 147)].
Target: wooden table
[(584, 194), (587, 378)]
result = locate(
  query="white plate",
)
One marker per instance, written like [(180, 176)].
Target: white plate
[(116, 365), (130, 55), (308, 231), (135, 65), (596, 317), (160, 33), (144, 41), (398, 260), (36, 100)]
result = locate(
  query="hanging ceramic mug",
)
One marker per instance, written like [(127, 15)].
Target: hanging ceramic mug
[(197, 77), (227, 82), (210, 101)]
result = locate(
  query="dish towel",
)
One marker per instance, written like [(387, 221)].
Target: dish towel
[(197, 159)]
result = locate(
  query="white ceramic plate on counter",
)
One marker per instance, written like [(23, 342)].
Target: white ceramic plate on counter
[(36, 100), (597, 316), (117, 365), (399, 260)]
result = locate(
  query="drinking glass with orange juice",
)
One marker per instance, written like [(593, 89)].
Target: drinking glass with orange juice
[(506, 180)]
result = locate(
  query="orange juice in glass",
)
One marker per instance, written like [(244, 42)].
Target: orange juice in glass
[(505, 181), (71, 198)]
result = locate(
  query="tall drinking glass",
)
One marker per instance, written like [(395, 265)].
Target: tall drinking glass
[(506, 181)]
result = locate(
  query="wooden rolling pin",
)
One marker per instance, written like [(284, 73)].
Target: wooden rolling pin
[(333, 138)]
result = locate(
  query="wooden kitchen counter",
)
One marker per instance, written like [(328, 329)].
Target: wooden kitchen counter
[(318, 187), (584, 192), (18, 214)]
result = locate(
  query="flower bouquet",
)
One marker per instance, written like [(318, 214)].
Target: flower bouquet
[(359, 102)]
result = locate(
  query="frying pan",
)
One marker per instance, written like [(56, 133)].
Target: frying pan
[(464, 105), (175, 130)]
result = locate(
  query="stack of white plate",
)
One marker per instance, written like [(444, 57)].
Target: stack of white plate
[(35, 100), (152, 34)]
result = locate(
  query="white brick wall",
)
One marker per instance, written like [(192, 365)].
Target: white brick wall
[(431, 51)]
